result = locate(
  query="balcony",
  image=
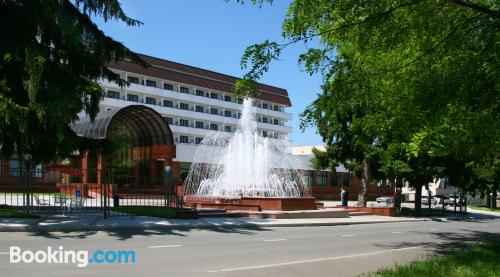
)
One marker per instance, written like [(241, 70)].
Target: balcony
[(193, 115), (192, 97)]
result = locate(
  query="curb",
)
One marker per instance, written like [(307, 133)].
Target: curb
[(187, 227)]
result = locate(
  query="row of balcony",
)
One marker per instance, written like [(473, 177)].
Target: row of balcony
[(192, 114), (192, 97)]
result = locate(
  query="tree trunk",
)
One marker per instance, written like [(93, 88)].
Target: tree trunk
[(365, 179), (494, 199), (397, 198), (429, 196), (418, 199)]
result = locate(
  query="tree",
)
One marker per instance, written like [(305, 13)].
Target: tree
[(420, 79), (51, 57)]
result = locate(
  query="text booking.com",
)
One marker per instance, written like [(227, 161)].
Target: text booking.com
[(80, 258)]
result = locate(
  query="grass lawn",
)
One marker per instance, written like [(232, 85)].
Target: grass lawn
[(479, 260), (146, 211), (484, 208), (8, 212)]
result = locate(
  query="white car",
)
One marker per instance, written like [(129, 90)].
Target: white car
[(385, 199), (452, 201), (425, 200)]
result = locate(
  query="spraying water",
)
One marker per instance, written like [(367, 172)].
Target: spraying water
[(244, 164)]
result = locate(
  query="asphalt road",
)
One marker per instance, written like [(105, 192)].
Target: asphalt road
[(296, 251)]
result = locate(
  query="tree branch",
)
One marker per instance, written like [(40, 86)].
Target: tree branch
[(477, 7)]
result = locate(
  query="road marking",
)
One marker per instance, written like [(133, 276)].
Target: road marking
[(165, 246), (348, 235), (271, 240), (397, 232), (313, 260), (433, 229)]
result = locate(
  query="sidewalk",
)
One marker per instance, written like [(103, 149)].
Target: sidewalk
[(95, 222)]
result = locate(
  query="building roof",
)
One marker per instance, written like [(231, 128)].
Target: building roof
[(172, 71), (146, 126), (306, 150)]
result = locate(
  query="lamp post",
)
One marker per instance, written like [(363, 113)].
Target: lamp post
[(167, 183)]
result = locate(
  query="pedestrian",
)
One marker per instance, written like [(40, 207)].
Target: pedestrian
[(343, 196)]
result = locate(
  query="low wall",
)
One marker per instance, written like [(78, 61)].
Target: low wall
[(383, 211), (281, 204)]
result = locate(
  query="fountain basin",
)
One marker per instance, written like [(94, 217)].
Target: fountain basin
[(255, 203), (281, 204)]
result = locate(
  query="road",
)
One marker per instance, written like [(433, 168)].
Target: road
[(295, 251)]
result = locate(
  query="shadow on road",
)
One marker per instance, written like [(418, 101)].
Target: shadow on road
[(129, 234), (448, 242)]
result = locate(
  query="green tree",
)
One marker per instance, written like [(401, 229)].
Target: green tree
[(51, 57), (415, 83)]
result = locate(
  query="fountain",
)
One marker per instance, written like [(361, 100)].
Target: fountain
[(243, 169)]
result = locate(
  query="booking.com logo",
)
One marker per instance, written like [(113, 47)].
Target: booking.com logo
[(61, 256)]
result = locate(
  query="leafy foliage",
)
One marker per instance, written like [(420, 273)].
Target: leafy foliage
[(410, 86), (51, 56)]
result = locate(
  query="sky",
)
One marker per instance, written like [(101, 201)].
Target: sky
[(213, 34)]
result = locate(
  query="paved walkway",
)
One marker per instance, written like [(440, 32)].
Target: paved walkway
[(95, 222)]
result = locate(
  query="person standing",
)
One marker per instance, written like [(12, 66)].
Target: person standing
[(343, 196)]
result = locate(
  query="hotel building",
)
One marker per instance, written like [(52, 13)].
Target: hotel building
[(194, 102)]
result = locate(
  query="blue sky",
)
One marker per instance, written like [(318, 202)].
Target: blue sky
[(213, 34)]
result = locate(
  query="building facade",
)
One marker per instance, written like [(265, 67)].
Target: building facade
[(194, 102), (326, 184)]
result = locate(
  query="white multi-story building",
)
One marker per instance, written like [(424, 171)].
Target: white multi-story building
[(194, 101)]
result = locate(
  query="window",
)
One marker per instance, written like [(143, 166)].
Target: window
[(170, 121), (113, 94), (321, 178), (227, 98), (276, 122), (184, 106), (264, 105), (184, 139), (264, 133), (199, 92), (227, 113), (134, 80), (308, 177), (168, 103), (168, 86), (334, 179), (199, 125), (213, 127), (276, 108), (132, 97), (214, 96), (184, 90), (213, 111), (198, 140), (239, 115), (184, 122), (264, 119), (346, 180), (150, 83), (14, 167), (199, 109), (240, 101), (151, 101), (227, 129)]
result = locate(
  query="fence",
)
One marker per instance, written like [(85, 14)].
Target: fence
[(52, 192)]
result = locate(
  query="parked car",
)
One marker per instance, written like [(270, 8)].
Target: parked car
[(454, 199), (387, 199), (425, 200)]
